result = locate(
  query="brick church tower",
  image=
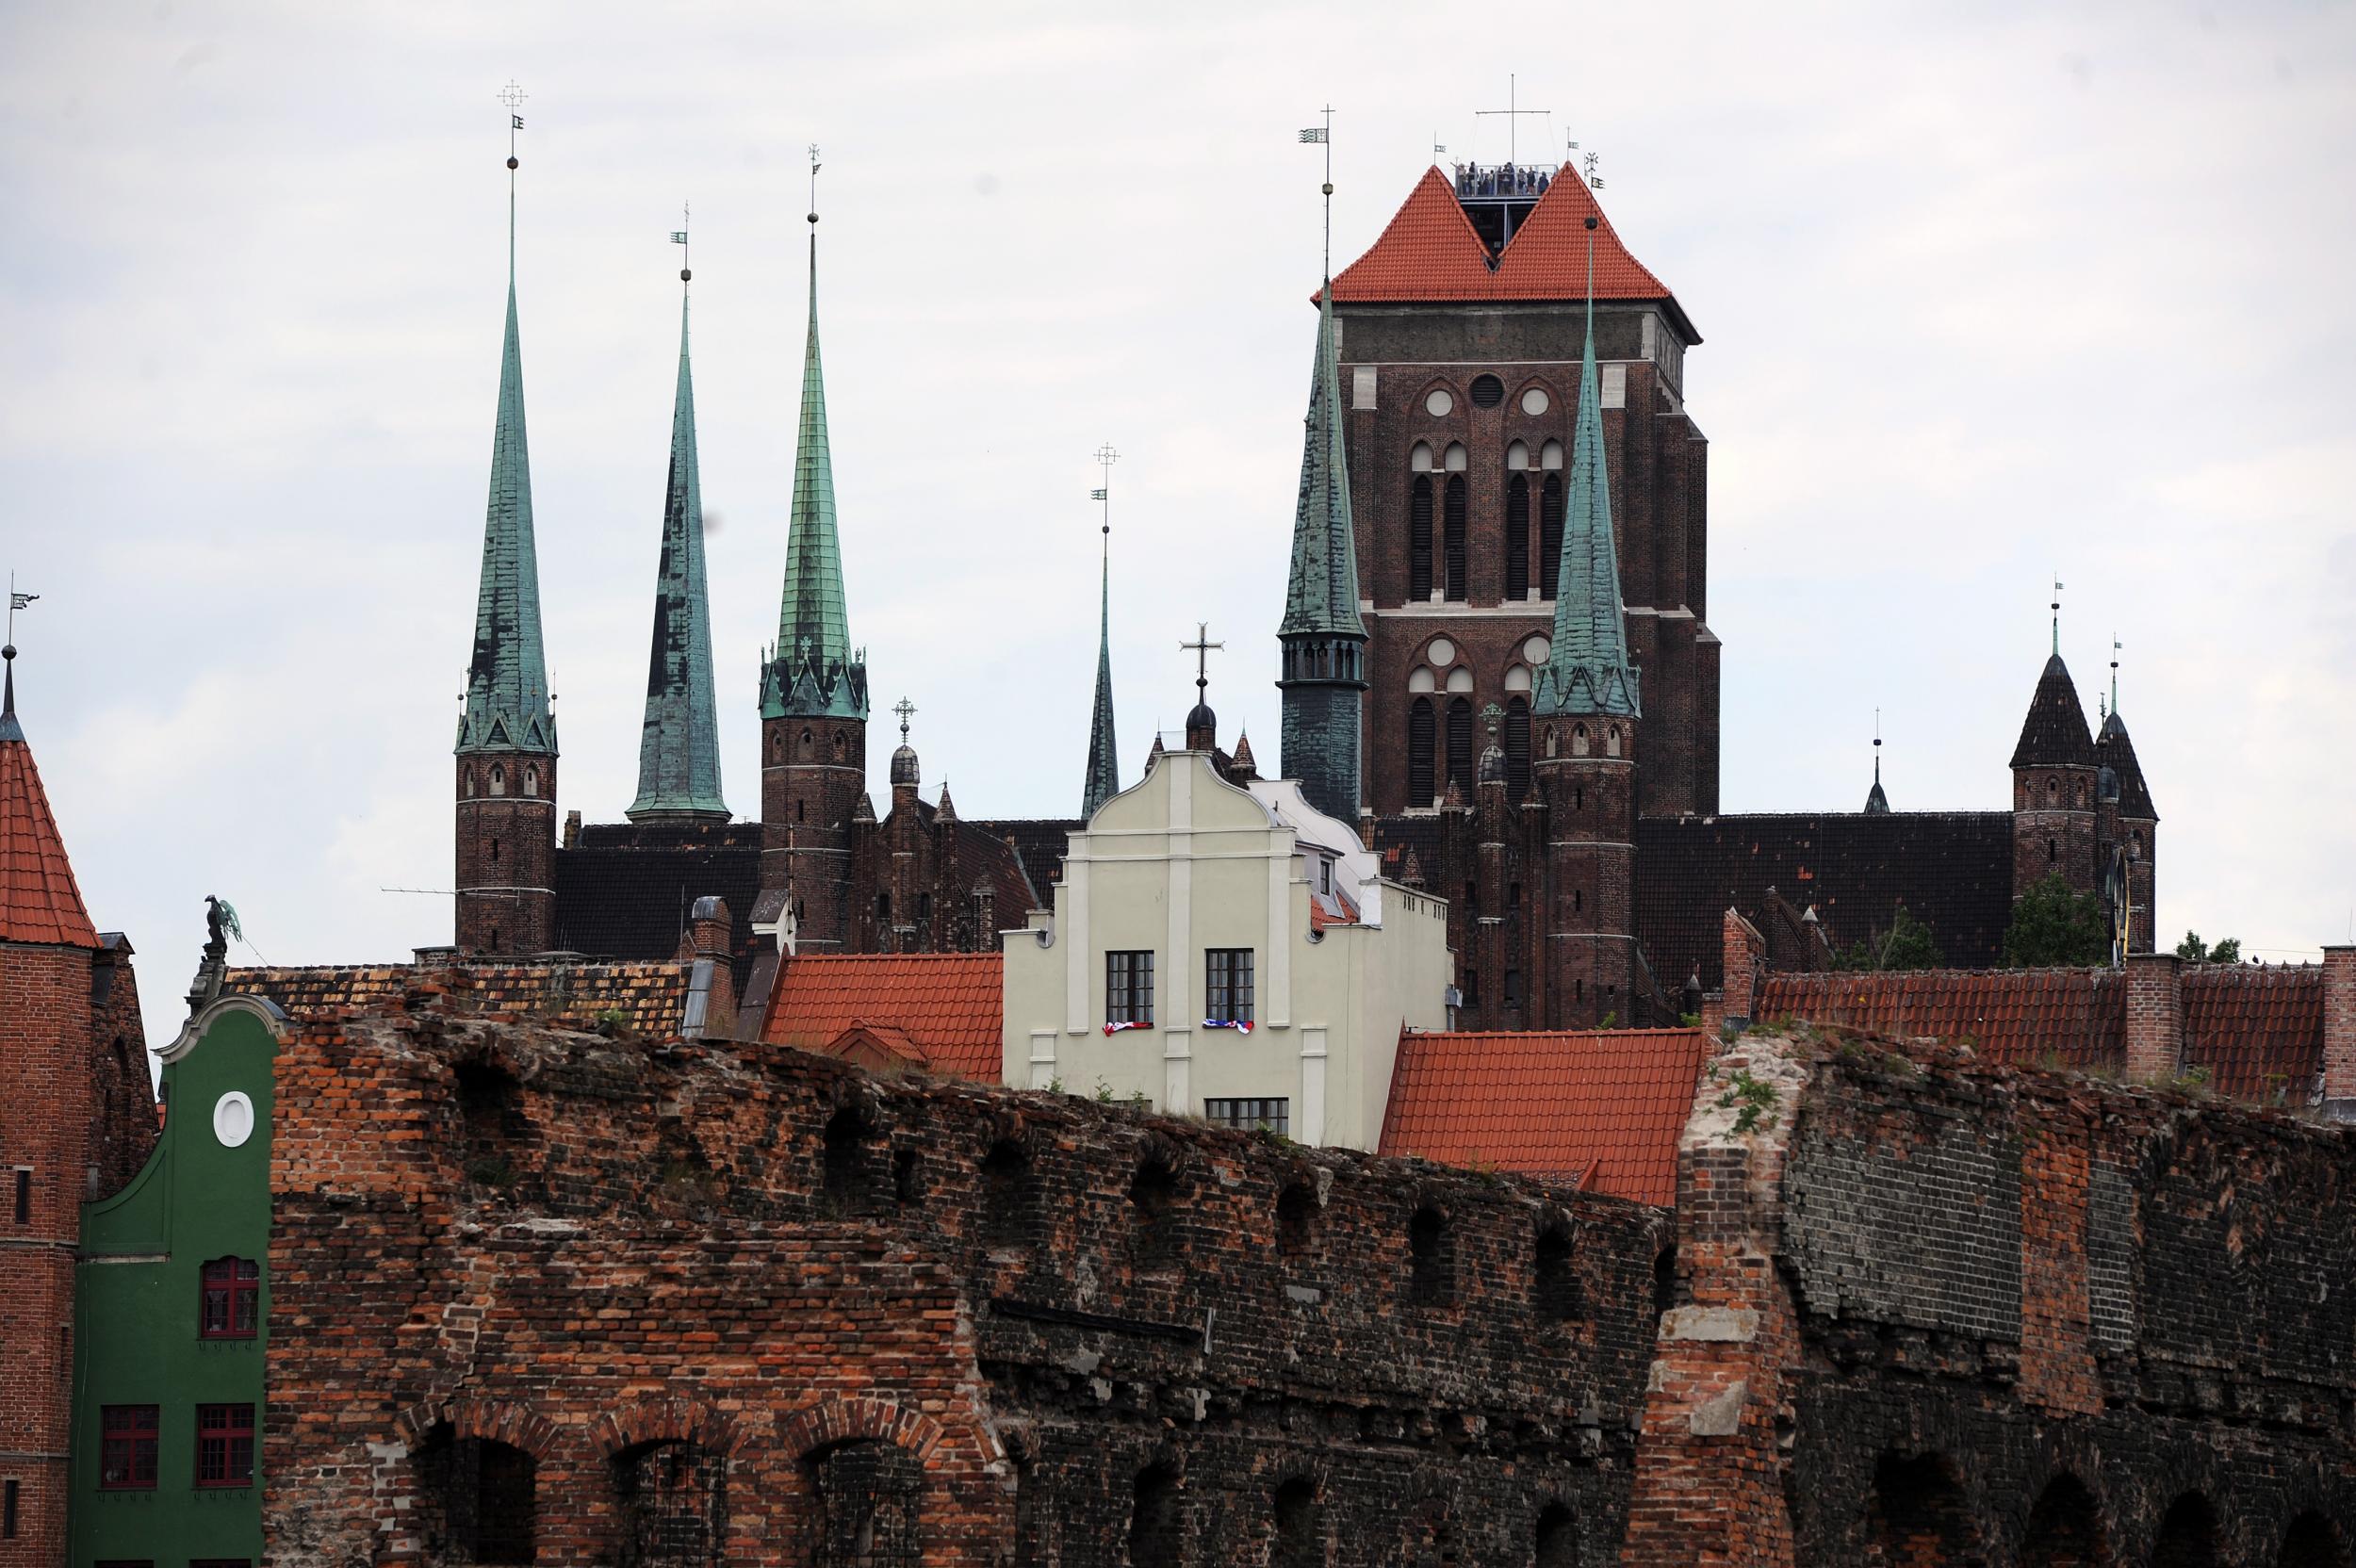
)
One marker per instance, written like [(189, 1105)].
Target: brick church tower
[(506, 751), (813, 690), (1587, 702), (1460, 339), (2053, 784)]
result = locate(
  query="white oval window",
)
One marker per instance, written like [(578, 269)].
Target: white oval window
[(1439, 403), (232, 1120), (1537, 650), (1442, 652), (1534, 401)]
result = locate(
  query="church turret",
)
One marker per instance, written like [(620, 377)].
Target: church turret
[(2054, 773), (506, 751), (1876, 803), (1587, 700), (813, 690), (679, 747), (1103, 780), (2136, 820), (1323, 636)]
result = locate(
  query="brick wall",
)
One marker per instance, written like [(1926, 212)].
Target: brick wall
[(506, 852), (2339, 1029), (644, 999)]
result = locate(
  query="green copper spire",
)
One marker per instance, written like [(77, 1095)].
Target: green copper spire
[(507, 682), (679, 749), (1588, 670), (1104, 772), (1321, 591), (813, 672)]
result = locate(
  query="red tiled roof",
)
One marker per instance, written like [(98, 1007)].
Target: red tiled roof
[(39, 901), (946, 1004), (2070, 1018), (2257, 1028), (1431, 252), (1601, 1110)]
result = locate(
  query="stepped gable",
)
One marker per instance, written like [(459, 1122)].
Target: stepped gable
[(1431, 252), (2071, 1018), (2258, 1028), (39, 902), (625, 890), (1601, 1110), (1952, 869), (2054, 734), (947, 1006)]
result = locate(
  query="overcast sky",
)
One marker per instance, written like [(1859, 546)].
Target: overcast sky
[(1987, 292)]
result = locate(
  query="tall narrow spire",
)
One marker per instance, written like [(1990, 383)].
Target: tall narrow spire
[(1103, 780), (1876, 803), (1588, 670), (813, 672), (507, 683), (679, 747), (1323, 636)]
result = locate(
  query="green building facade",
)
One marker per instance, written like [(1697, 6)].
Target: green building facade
[(172, 1317)]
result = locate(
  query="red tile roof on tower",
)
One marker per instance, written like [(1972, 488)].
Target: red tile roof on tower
[(1431, 253), (39, 901), (947, 1006), (1600, 1109)]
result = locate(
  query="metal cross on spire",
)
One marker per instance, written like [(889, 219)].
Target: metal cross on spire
[(1105, 457), (1512, 114), (512, 96), (1201, 647), (907, 709)]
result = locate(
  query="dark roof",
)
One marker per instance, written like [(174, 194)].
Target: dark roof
[(2054, 734), (2118, 755), (1397, 837), (625, 892), (2258, 1028), (1040, 844), (1953, 870), (981, 854)]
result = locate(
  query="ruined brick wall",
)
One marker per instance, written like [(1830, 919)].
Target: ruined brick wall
[(1069, 1334), (640, 998), (123, 1125)]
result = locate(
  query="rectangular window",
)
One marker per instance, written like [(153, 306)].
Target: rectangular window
[(1129, 988), (25, 1194), (1227, 985), (7, 1510), (232, 1294), (1275, 1116), (126, 1447), (224, 1445)]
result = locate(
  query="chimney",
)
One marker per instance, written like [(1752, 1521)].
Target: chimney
[(2339, 1032), (1746, 964), (2156, 1015), (572, 830)]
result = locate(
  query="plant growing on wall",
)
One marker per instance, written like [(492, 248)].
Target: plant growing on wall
[(2056, 927)]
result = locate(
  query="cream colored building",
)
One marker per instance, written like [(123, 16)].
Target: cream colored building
[(1191, 906)]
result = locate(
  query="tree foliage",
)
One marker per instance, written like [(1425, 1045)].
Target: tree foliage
[(1907, 944), (2056, 927), (2194, 951)]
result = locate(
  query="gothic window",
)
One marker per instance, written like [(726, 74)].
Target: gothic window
[(1454, 543), (1517, 537), (1420, 784), (1516, 749), (1419, 540), (2188, 1535), (1431, 1259), (1579, 797), (531, 782), (673, 1497), (806, 739), (224, 1445), (1419, 460), (1459, 755), (868, 1493), (498, 780), (1613, 745), (470, 783), (883, 909), (1549, 535), (840, 746), (2137, 838), (230, 1291), (1153, 1202), (1579, 740), (924, 909)]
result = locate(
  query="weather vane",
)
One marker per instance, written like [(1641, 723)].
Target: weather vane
[(16, 601), (813, 182), (1323, 137), (512, 96), (1105, 457), (678, 238)]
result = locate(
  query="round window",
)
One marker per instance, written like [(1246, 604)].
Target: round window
[(1537, 649), (1488, 391), (1439, 403), (1535, 400), (232, 1120), (1442, 652)]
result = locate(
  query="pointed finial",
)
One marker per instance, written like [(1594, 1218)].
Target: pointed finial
[(2116, 645), (906, 709), (813, 182), (1323, 135), (1105, 457), (1877, 746), (512, 96), (678, 238), (2057, 593), (1201, 647)]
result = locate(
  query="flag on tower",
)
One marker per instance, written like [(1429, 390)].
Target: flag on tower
[(1096, 495), (518, 121), (678, 237), (19, 601), (1315, 133)]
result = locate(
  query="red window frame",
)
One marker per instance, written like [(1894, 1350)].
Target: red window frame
[(224, 1445), (229, 1299), (126, 1447)]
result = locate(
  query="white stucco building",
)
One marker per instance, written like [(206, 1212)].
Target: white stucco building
[(1191, 908)]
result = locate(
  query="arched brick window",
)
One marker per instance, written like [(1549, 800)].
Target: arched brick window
[(2188, 1535), (1554, 1281), (869, 1494), (1516, 749), (1918, 1514), (1421, 785), (2064, 1529), (1296, 1220), (498, 780), (1551, 529), (844, 1157), (1557, 1538), (2312, 1541), (672, 1504), (1420, 539), (1454, 543), (482, 1499), (1517, 536)]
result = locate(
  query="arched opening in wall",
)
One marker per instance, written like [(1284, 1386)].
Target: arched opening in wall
[(1516, 749), (2052, 852), (469, 780), (2064, 1529), (1154, 1213), (1664, 1280), (2187, 1537), (2135, 841), (1579, 740), (2312, 1541), (844, 1161), (906, 1188), (1459, 752), (924, 909), (1296, 1220), (1556, 1539), (806, 739), (1298, 1526), (480, 1499), (1007, 1200), (499, 779), (1456, 562), (671, 1504), (1157, 1524), (883, 910), (1517, 537), (531, 782), (1917, 1517), (491, 1122), (1421, 786), (1550, 527), (1612, 745), (868, 1494), (1553, 1282), (1431, 1259), (842, 746), (494, 852), (1419, 540)]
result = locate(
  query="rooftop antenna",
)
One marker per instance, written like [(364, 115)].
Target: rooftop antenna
[(2057, 593), (1511, 113)]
